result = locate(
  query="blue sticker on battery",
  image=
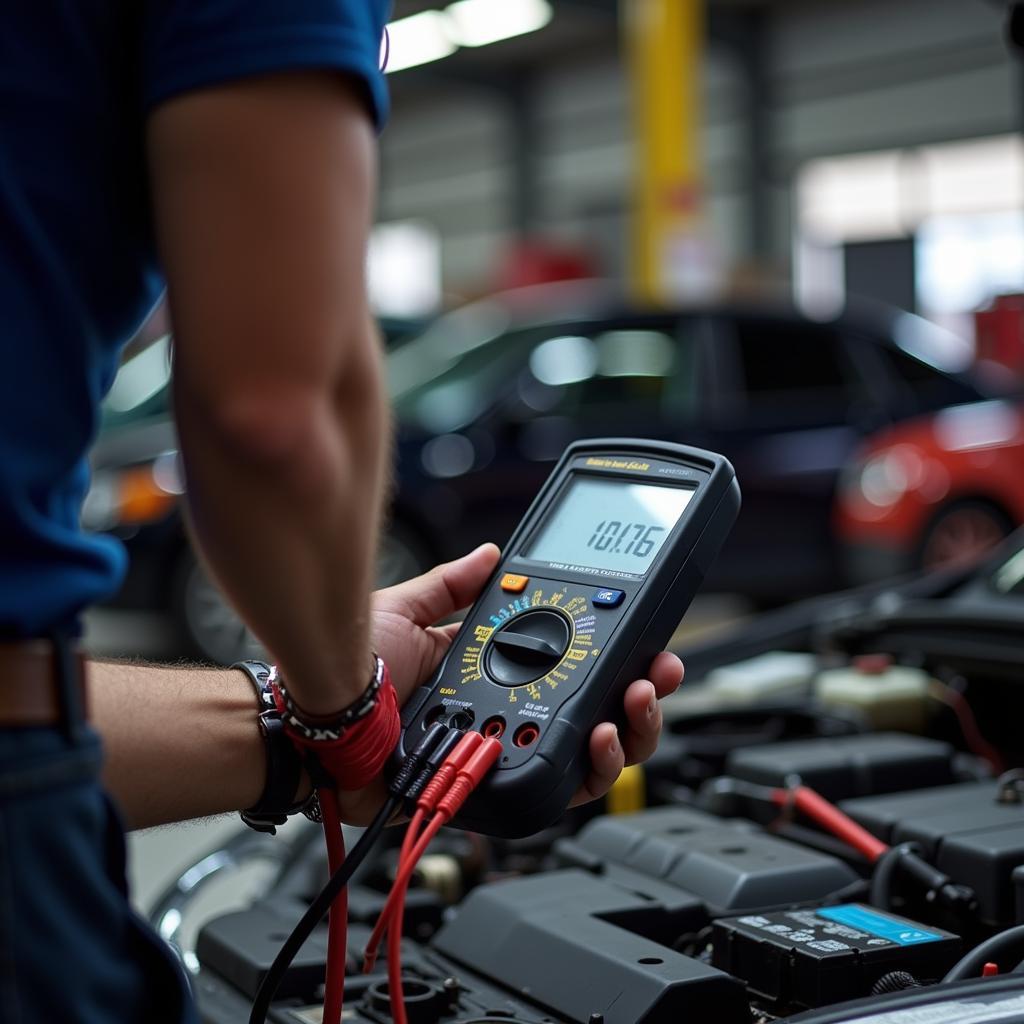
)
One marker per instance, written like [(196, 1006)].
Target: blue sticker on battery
[(854, 915)]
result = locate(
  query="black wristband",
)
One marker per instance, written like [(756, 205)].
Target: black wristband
[(284, 765)]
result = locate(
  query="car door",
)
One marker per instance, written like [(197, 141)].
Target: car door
[(785, 411)]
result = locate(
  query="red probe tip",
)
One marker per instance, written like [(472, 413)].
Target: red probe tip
[(445, 775), (482, 761)]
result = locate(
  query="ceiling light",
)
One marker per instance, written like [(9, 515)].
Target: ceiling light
[(479, 22), (418, 39)]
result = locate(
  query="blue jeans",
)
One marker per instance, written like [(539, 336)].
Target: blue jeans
[(72, 951)]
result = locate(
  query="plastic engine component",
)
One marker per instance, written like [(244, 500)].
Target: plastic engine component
[(437, 991), (242, 945), (567, 940), (848, 766), (764, 677), (963, 831), (888, 696), (731, 866), (811, 958)]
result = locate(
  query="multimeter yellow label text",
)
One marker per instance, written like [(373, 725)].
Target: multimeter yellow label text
[(639, 467)]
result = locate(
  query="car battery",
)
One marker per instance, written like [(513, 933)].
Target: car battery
[(842, 767), (729, 866), (810, 958)]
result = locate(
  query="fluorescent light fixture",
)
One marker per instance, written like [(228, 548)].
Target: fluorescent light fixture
[(404, 269), (479, 22), (419, 39)]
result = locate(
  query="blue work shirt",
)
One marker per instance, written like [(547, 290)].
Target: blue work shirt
[(78, 267)]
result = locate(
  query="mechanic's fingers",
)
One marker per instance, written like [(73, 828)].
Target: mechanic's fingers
[(643, 721), (360, 807), (442, 591), (666, 673), (447, 631), (607, 761)]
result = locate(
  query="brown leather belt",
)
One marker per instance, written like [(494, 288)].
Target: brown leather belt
[(30, 692)]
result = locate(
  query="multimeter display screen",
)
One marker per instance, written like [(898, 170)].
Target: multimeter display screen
[(609, 524)]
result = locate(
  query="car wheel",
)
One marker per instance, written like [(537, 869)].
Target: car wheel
[(963, 533), (210, 628), (213, 630)]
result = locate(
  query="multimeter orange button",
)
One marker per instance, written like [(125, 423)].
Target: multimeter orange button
[(514, 584)]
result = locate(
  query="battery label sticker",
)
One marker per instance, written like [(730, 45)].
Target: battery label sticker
[(891, 928)]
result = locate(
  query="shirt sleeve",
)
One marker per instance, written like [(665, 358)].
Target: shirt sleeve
[(191, 44)]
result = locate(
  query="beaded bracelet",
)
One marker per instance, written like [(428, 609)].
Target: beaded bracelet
[(326, 732)]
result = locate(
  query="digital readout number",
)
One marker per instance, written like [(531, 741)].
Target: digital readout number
[(610, 535)]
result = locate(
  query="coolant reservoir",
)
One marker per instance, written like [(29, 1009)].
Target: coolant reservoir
[(889, 696)]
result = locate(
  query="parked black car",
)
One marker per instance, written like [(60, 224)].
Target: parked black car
[(488, 396)]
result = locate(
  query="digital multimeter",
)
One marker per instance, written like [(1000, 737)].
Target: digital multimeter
[(592, 585)]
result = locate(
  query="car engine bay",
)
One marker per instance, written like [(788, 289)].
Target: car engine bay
[(832, 830)]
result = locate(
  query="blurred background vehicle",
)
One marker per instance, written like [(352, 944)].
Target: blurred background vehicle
[(932, 492), (489, 395)]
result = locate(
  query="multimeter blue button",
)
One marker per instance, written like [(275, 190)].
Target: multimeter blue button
[(608, 598)]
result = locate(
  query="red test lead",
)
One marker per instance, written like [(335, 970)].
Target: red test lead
[(348, 753), (467, 778), (833, 820), (426, 803)]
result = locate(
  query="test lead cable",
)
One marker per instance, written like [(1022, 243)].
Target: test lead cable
[(426, 803), (337, 921), (484, 753), (407, 773), (885, 859)]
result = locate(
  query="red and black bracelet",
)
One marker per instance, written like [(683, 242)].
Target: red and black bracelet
[(353, 748)]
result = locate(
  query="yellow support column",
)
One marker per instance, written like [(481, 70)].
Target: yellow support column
[(664, 43)]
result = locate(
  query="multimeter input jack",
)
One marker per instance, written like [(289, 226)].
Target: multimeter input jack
[(460, 718), (526, 735), (494, 728)]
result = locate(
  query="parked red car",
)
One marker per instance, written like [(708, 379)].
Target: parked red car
[(936, 490)]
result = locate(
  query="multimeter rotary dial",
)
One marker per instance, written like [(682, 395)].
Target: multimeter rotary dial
[(528, 647), (537, 647)]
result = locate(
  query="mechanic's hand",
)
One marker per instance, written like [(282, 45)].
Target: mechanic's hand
[(403, 634)]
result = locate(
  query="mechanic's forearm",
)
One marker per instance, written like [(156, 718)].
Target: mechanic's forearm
[(180, 742), (285, 496), (263, 195)]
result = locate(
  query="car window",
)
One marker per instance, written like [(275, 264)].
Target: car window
[(572, 368), (791, 372), (784, 358), (617, 369), (925, 388), (441, 396)]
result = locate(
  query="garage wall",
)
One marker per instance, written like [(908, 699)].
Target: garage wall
[(444, 160), (845, 76), (447, 158), (586, 157), (878, 74)]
